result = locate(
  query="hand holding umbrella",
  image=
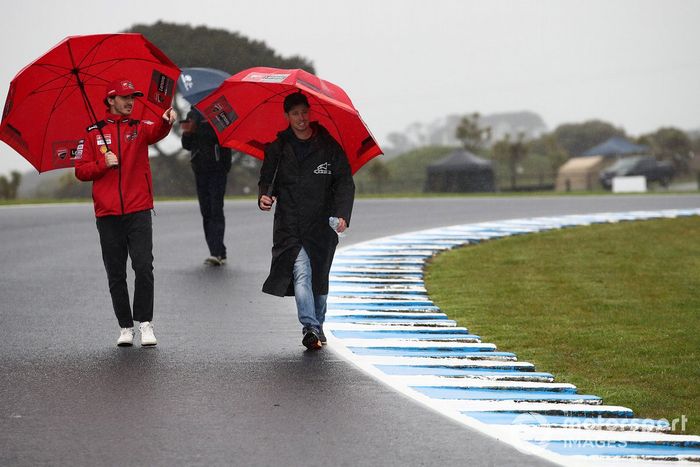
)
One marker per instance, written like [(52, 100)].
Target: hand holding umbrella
[(169, 116), (266, 202)]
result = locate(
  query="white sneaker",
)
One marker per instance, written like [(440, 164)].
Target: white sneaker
[(126, 337), (215, 261), (147, 336)]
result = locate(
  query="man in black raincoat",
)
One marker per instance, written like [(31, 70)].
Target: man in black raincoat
[(306, 171)]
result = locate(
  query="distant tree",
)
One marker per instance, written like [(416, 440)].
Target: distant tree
[(9, 186), (576, 138), (548, 146), (695, 145), (378, 173), (71, 187), (472, 135), (670, 144), (15, 180), (399, 142), (512, 153)]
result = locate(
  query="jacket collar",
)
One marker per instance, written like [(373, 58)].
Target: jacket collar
[(114, 118), (288, 134)]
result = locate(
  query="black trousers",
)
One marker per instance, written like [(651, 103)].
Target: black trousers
[(211, 187), (122, 236)]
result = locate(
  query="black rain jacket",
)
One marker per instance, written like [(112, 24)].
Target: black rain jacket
[(308, 193), (207, 154)]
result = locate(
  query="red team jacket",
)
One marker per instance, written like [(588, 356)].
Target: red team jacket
[(127, 188)]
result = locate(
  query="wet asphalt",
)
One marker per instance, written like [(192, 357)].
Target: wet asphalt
[(229, 382)]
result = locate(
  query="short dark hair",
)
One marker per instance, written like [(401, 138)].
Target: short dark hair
[(294, 99)]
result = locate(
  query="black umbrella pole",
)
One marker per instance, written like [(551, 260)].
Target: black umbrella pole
[(88, 107), (271, 188)]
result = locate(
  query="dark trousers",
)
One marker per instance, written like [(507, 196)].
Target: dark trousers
[(122, 236), (211, 187)]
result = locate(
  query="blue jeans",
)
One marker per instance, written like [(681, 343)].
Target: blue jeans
[(311, 309)]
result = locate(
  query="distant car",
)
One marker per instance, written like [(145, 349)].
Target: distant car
[(648, 166)]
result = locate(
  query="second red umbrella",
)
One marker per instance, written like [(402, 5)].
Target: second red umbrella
[(246, 112)]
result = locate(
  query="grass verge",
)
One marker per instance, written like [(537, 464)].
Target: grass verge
[(613, 309)]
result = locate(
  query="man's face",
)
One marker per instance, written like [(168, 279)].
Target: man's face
[(121, 105), (298, 118)]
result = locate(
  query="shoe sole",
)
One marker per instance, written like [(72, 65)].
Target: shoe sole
[(148, 344), (125, 344)]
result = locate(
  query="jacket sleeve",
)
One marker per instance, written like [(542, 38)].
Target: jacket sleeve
[(90, 163), (155, 131), (343, 186), (273, 154)]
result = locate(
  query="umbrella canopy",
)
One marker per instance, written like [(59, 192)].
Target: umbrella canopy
[(246, 112), (53, 100), (196, 83)]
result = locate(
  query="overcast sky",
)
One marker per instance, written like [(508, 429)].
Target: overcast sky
[(634, 63)]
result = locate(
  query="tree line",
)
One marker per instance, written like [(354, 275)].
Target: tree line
[(520, 161), (232, 52)]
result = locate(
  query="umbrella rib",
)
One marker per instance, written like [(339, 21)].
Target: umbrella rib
[(93, 51), (56, 104), (263, 102), (41, 87), (286, 91), (86, 102), (340, 134)]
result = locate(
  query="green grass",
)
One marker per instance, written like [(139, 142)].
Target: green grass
[(613, 309)]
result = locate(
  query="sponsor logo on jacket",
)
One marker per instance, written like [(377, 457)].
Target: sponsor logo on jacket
[(101, 142), (79, 149), (132, 135), (323, 169)]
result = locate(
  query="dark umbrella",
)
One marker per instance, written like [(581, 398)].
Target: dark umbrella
[(196, 83), (246, 112), (53, 100)]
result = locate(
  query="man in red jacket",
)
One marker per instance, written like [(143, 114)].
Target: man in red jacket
[(114, 156)]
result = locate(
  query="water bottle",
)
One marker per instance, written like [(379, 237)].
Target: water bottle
[(334, 222)]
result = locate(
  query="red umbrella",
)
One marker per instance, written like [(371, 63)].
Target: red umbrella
[(246, 112), (53, 100)]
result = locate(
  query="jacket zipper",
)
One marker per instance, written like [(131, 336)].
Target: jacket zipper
[(119, 149)]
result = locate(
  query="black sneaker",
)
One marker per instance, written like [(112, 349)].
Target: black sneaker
[(311, 340), (322, 337)]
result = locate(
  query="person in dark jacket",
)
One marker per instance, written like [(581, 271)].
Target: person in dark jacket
[(211, 164), (114, 156), (307, 173)]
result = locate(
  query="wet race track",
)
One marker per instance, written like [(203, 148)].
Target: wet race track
[(229, 382)]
